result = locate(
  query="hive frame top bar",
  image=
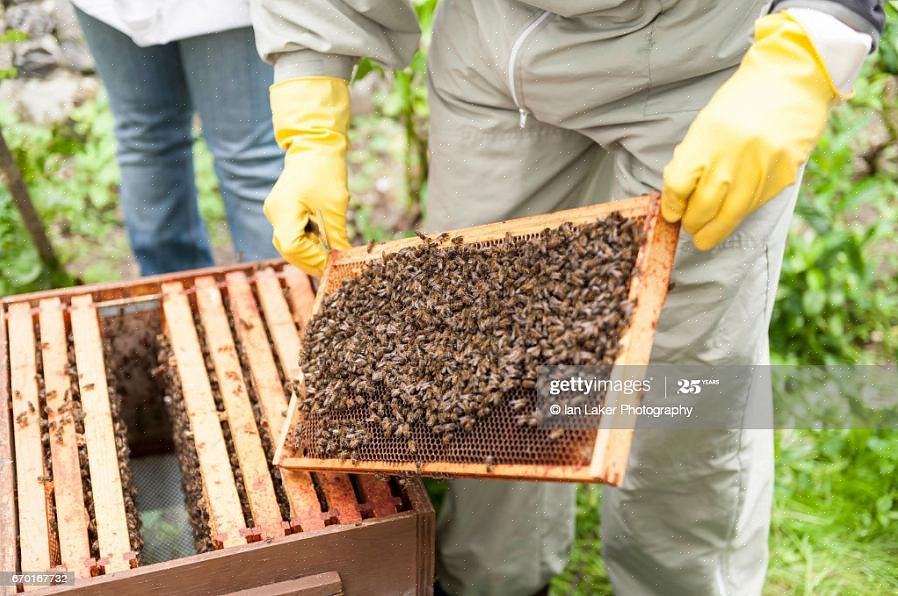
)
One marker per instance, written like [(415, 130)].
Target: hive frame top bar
[(643, 205), (648, 290), (149, 288)]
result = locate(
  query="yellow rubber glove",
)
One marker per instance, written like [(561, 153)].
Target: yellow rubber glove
[(311, 120), (752, 138)]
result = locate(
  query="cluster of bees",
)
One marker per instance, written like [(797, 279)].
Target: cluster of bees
[(428, 341), (191, 483)]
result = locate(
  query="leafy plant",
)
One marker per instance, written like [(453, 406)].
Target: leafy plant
[(405, 102), (838, 293), (72, 175)]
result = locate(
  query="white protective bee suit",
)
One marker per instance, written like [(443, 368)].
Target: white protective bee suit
[(542, 105)]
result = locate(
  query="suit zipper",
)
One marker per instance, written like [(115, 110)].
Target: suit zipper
[(512, 64)]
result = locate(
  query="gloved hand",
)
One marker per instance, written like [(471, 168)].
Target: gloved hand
[(311, 120), (752, 138)]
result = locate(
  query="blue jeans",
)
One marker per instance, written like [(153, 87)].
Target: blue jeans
[(154, 92)]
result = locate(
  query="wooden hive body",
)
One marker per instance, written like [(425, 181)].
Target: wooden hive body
[(599, 455), (233, 336)]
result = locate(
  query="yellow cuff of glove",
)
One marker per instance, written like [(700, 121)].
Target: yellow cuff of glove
[(311, 121), (750, 141)]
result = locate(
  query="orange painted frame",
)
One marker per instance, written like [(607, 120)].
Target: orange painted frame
[(648, 290)]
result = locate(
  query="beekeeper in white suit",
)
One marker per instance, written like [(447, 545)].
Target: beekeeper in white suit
[(541, 105)]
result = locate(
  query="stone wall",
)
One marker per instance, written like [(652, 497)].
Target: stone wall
[(54, 70)]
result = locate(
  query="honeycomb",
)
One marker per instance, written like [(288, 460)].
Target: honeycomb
[(494, 439)]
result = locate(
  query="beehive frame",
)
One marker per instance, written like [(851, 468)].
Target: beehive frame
[(270, 301), (647, 292)]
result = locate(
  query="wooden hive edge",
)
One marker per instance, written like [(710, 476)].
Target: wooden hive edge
[(537, 473), (8, 511), (420, 503), (357, 551), (142, 288)]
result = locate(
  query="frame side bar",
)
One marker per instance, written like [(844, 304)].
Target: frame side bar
[(71, 512), (34, 530), (219, 489), (8, 515), (102, 455), (241, 420)]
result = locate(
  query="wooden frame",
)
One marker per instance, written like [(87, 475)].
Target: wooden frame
[(648, 290), (9, 526), (67, 486), (359, 520), (374, 567), (109, 504), (34, 526)]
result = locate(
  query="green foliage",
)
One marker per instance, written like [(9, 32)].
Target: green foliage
[(70, 171), (838, 295), (7, 37), (72, 175), (585, 573), (404, 101)]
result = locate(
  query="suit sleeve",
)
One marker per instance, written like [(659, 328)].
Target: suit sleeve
[(864, 16), (327, 37)]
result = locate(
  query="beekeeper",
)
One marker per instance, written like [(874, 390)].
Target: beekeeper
[(542, 105)]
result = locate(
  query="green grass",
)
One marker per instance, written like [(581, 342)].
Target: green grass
[(835, 521), (834, 527), (585, 573)]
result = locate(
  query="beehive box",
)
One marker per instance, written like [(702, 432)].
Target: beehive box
[(496, 446), (193, 363)]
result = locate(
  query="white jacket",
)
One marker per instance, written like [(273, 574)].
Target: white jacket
[(154, 22)]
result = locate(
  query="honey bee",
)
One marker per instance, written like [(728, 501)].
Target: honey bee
[(518, 404)]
